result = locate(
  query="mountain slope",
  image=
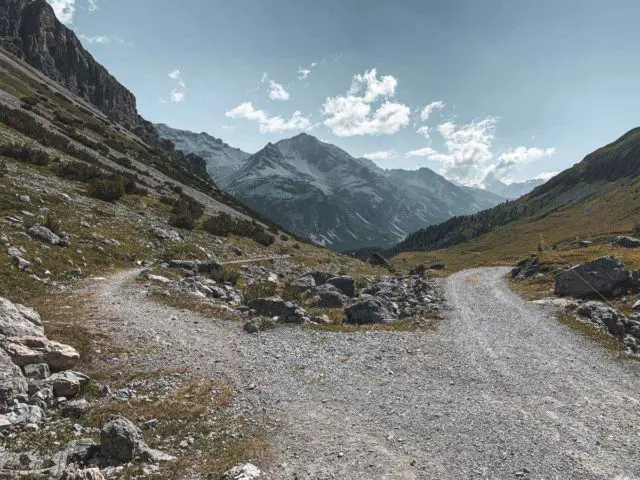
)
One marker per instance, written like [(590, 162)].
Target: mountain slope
[(512, 190), (320, 191), (597, 196), (222, 159)]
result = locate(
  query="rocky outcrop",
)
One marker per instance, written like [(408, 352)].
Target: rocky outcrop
[(371, 310), (17, 320), (627, 242), (30, 30)]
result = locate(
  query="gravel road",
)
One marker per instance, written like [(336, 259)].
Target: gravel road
[(501, 390)]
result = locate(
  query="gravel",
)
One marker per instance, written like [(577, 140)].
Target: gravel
[(500, 390)]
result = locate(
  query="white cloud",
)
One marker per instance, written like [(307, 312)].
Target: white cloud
[(104, 40), (64, 9), (373, 88), (270, 124), (354, 115), (469, 158), (303, 73), (425, 132), (228, 127), (277, 91), (179, 93), (381, 155), (313, 64), (93, 5), (429, 109), (546, 176)]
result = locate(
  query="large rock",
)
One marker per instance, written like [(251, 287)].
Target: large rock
[(120, 439), (17, 320), (287, 312), (12, 381), (44, 235), (603, 315), (627, 242), (329, 296), (603, 275), (30, 350), (67, 384), (370, 310), (302, 284), (345, 284), (21, 414), (319, 276)]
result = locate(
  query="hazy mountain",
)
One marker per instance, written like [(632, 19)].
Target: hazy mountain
[(597, 195), (512, 190), (222, 159)]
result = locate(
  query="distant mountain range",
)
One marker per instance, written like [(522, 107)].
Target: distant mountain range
[(513, 190), (597, 196), (318, 190)]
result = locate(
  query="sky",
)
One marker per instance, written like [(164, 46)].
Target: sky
[(474, 89)]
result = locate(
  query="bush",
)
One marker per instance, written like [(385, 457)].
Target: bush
[(4, 168), (186, 211), (223, 275), (259, 290), (263, 238), (166, 199), (284, 238), (31, 101), (24, 153), (108, 189), (79, 171)]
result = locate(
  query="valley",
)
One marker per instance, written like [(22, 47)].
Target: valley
[(173, 307)]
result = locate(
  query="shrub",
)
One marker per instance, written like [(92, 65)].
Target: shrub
[(108, 189), (24, 153), (259, 290), (4, 168), (220, 225), (79, 171), (186, 211), (263, 238), (223, 275), (166, 199), (31, 101), (284, 238)]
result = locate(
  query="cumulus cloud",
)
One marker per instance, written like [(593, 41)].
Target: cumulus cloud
[(93, 5), (64, 9), (469, 158), (381, 155), (426, 112), (267, 123), (353, 114), (425, 131), (277, 91), (179, 92)]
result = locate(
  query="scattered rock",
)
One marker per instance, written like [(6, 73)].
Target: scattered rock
[(302, 284), (20, 262), (248, 471), (602, 275), (527, 268), (370, 310), (120, 439), (329, 296), (320, 277), (75, 408), (29, 350), (44, 235), (627, 242), (287, 312), (67, 384), (85, 474), (38, 371), (12, 381), (17, 320), (345, 284)]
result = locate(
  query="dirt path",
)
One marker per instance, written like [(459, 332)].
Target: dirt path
[(255, 259), (499, 391)]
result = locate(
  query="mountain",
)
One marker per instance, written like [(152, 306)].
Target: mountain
[(597, 196), (30, 31), (222, 160), (512, 190), (318, 190)]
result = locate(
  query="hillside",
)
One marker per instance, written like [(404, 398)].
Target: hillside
[(594, 199)]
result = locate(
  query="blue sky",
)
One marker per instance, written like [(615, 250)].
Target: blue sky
[(511, 88)]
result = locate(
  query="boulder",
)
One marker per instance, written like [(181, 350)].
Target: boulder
[(44, 235), (248, 471), (75, 408), (120, 439), (29, 350), (603, 315), (253, 325), (303, 284), (67, 383), (319, 277), (22, 413), (328, 296), (12, 381), (345, 284), (158, 279), (603, 275), (185, 264), (287, 312), (38, 371), (584, 243), (210, 266), (437, 266), (627, 242), (527, 268), (18, 320), (20, 262), (370, 310)]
